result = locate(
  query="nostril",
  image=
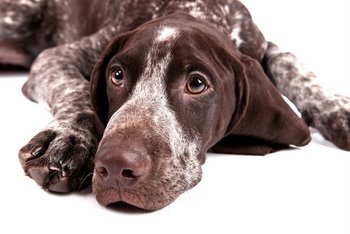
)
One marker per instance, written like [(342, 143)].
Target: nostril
[(102, 171), (122, 167), (128, 174)]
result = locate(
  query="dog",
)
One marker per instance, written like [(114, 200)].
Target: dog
[(141, 90)]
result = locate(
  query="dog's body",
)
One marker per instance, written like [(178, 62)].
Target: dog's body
[(175, 79)]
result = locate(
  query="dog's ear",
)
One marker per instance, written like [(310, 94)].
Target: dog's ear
[(262, 121), (98, 86)]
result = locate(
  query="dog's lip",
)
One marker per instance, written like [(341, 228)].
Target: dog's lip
[(107, 196), (111, 195)]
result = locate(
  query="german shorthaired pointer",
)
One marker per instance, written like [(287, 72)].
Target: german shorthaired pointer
[(140, 90)]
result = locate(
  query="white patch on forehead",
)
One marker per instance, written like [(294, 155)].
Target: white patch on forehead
[(166, 33)]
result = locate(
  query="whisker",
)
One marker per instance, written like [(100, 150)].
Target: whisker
[(87, 177)]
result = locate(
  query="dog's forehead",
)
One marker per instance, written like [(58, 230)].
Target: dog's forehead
[(166, 33), (172, 33), (175, 47)]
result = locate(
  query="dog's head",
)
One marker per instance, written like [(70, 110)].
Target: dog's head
[(167, 92)]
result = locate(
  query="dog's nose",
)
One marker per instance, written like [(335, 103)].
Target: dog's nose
[(123, 167)]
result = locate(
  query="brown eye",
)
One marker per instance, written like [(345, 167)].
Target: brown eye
[(117, 76), (196, 84)]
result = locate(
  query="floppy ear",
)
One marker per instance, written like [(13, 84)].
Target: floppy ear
[(98, 86), (262, 122)]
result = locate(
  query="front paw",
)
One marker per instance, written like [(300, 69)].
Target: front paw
[(60, 158)]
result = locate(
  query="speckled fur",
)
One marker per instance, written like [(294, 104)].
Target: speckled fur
[(61, 40), (53, 33), (320, 108)]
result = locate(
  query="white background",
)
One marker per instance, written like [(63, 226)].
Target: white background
[(296, 191)]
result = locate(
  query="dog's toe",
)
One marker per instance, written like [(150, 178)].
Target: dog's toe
[(36, 147), (61, 186), (50, 179), (39, 174), (59, 160)]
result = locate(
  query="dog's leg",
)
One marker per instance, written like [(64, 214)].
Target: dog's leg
[(19, 22), (320, 108), (60, 157)]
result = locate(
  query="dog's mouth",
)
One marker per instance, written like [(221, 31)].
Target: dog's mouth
[(126, 208), (149, 199), (151, 194), (111, 197), (149, 181)]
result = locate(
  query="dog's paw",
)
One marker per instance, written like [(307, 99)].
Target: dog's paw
[(60, 158)]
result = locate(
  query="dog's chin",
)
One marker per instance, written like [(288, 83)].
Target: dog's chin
[(110, 195)]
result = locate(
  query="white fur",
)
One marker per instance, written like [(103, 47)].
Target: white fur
[(8, 20), (166, 33), (235, 36), (236, 30), (193, 8), (29, 3)]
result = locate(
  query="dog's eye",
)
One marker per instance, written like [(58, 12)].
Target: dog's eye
[(196, 84), (117, 76)]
